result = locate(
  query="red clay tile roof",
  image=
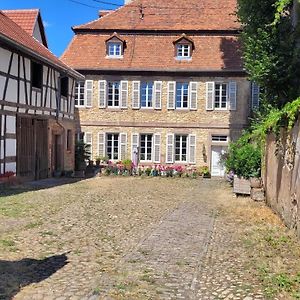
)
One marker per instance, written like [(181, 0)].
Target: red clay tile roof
[(211, 25), (169, 15), (25, 18), (154, 52), (18, 37)]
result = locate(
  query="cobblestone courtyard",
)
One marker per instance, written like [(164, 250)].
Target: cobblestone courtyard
[(143, 238)]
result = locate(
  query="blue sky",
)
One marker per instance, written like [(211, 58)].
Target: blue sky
[(60, 15)]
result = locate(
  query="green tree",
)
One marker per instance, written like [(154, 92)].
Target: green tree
[(270, 54)]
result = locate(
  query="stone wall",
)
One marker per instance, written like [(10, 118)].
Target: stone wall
[(282, 177)]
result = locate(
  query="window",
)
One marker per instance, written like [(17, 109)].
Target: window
[(221, 96), (146, 147), (219, 138), (112, 146), (69, 140), (64, 86), (183, 51), (113, 94), (79, 93), (146, 94), (114, 49), (182, 92), (36, 75), (181, 148)]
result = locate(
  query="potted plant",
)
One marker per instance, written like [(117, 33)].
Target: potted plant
[(204, 172), (82, 154), (244, 159)]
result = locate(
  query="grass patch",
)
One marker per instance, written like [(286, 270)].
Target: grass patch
[(33, 225), (8, 245), (275, 283)]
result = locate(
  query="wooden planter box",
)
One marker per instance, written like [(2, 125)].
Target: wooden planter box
[(241, 186)]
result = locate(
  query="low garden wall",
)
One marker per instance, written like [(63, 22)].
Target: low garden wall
[(282, 176)]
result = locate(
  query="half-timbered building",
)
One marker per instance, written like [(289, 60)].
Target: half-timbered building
[(37, 101), (164, 78)]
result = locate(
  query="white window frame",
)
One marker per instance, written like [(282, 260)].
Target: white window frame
[(78, 85), (182, 94), (113, 140), (146, 148), (114, 46), (220, 96), (181, 48), (187, 148), (113, 94), (147, 94)]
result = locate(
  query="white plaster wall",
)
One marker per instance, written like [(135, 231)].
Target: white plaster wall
[(2, 83), (14, 65), (11, 167), (11, 147), (12, 91), (1, 149), (4, 59), (11, 124), (37, 33)]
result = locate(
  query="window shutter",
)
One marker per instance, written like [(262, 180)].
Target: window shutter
[(171, 94), (232, 95), (101, 144), (157, 94), (102, 93), (210, 95), (170, 149), (135, 94), (123, 146), (255, 95), (88, 140), (193, 94), (88, 93), (124, 94), (156, 148), (134, 143), (192, 148)]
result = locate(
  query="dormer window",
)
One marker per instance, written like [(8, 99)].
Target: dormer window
[(115, 46), (184, 47), (114, 49), (183, 51)]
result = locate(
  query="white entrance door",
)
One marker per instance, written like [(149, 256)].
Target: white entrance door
[(217, 169)]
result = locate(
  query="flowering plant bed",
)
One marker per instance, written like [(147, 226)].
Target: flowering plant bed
[(127, 168), (7, 177)]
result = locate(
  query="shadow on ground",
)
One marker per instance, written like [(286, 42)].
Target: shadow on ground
[(15, 189), (16, 274)]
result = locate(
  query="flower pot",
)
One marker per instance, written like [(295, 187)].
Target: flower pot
[(241, 186), (255, 182)]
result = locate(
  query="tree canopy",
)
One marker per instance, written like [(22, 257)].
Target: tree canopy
[(270, 54)]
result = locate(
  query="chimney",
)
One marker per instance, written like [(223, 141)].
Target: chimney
[(103, 13)]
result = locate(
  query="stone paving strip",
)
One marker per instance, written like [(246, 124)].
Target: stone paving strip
[(134, 238)]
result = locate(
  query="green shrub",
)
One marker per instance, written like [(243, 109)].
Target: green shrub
[(244, 158)]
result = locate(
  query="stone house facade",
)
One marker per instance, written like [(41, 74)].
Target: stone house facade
[(163, 81)]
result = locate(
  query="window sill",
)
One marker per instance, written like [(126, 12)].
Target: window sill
[(221, 109), (187, 59), (114, 57)]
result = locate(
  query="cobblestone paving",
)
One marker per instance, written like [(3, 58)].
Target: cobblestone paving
[(124, 238)]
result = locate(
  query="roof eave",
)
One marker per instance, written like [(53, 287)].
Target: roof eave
[(30, 52), (208, 72)]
